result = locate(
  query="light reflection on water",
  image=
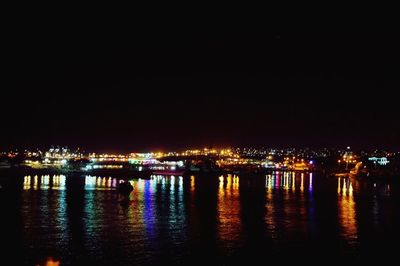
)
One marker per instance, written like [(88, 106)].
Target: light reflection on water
[(229, 209), (85, 215), (56, 182), (291, 214), (347, 210)]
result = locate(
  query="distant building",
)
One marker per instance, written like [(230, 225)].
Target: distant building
[(379, 160)]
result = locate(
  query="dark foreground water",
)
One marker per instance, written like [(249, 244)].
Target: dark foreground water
[(82, 220)]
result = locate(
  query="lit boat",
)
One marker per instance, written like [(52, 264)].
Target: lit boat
[(168, 172)]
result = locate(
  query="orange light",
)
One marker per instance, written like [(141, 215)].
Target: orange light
[(51, 262)]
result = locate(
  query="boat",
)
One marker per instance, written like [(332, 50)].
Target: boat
[(125, 187)]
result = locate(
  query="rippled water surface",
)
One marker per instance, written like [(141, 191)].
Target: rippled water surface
[(200, 219)]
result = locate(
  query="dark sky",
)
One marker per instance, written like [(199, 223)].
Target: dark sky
[(171, 91)]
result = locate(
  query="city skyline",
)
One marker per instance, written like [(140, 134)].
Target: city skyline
[(84, 150)]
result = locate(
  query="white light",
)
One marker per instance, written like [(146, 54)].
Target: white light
[(63, 161)]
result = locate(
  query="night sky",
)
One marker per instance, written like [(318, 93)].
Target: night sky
[(172, 91)]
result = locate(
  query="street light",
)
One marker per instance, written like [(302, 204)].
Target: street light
[(346, 160)]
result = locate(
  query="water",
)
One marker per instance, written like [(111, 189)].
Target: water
[(83, 220)]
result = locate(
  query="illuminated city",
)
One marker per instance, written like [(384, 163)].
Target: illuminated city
[(232, 147), (209, 160)]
